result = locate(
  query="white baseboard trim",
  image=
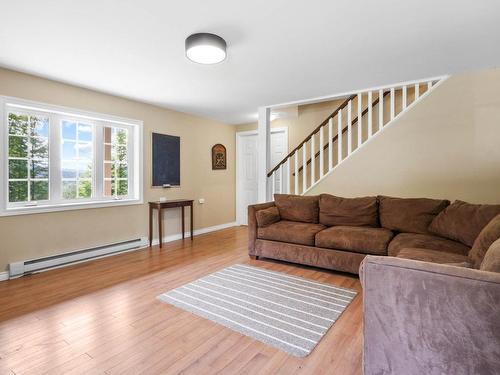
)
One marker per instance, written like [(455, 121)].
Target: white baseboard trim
[(173, 237), (196, 232)]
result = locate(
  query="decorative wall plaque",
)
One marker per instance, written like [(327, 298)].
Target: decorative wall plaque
[(219, 157)]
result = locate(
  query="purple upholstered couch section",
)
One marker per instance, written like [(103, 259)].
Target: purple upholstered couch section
[(433, 319)]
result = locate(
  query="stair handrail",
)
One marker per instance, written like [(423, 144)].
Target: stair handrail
[(290, 154), (344, 130)]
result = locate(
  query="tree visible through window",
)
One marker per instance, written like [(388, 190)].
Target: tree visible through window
[(28, 167), (94, 158)]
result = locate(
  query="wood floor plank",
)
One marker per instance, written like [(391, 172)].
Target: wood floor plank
[(103, 317)]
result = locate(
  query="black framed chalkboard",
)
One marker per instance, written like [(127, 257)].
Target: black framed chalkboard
[(166, 159)]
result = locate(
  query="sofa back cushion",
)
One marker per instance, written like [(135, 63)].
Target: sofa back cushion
[(411, 215), (462, 221), (489, 234), (298, 208), (353, 212), (491, 261), (267, 216)]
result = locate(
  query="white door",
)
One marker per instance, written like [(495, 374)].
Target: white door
[(246, 180), (279, 149), (246, 173)]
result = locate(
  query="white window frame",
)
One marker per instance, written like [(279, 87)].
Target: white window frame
[(56, 115)]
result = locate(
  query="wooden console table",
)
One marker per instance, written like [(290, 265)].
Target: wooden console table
[(168, 204)]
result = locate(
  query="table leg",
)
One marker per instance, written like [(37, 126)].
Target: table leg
[(191, 221), (160, 218), (150, 226), (183, 229)]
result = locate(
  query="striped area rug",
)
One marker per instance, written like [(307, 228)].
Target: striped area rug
[(287, 312)]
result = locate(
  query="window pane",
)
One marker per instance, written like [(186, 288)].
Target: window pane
[(18, 124), (108, 170), (18, 169), (69, 189), (69, 130), (85, 170), (122, 187), (39, 148), (85, 150), (69, 150), (84, 132), (18, 191), (107, 152), (39, 169), (121, 171), (18, 147), (121, 153), (85, 189), (39, 126), (121, 136), (109, 188), (69, 169), (39, 190), (107, 135)]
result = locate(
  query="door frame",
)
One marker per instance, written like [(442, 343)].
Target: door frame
[(239, 137)]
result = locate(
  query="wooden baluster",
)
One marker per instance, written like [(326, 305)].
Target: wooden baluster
[(281, 179), (417, 91), (339, 136), (380, 110), (405, 97), (370, 114), (288, 171), (429, 85), (392, 103), (321, 155), (349, 127), (273, 181), (330, 144), (304, 167), (313, 161), (360, 120), (296, 180)]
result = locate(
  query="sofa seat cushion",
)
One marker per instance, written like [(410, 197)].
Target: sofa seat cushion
[(409, 215), (356, 239), (353, 212), (462, 221), (425, 241), (433, 256), (290, 231), (299, 208)]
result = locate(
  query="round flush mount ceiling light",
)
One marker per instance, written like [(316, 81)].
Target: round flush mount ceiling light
[(205, 48)]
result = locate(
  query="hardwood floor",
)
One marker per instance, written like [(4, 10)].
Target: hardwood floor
[(103, 317)]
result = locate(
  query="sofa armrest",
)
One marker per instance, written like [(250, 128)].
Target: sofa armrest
[(252, 224), (425, 318)]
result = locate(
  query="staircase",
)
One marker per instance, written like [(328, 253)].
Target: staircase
[(362, 116)]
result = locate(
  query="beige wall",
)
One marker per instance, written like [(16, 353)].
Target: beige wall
[(309, 117), (30, 236), (448, 146)]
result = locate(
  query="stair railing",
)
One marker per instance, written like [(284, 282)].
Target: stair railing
[(305, 158)]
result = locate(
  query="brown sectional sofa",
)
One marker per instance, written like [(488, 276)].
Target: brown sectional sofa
[(338, 233), (430, 272)]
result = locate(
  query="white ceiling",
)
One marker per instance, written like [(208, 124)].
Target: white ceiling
[(278, 50)]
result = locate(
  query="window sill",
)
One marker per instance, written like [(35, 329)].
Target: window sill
[(13, 211)]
